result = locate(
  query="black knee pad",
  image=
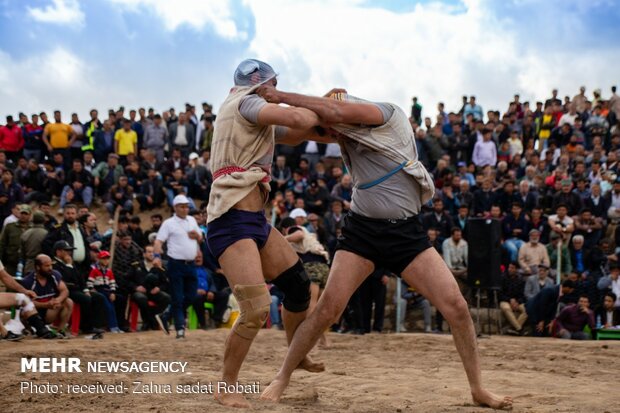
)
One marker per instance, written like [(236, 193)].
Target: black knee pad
[(295, 285)]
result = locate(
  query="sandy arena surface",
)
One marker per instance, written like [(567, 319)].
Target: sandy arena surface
[(371, 373)]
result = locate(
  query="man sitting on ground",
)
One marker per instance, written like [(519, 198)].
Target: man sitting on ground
[(52, 296), (512, 299), (572, 320)]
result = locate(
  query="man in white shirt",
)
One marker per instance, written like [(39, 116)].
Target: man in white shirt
[(485, 151), (182, 234)]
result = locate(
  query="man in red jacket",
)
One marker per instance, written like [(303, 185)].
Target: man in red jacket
[(11, 140)]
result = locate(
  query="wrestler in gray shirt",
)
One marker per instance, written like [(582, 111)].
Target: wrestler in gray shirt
[(365, 165), (395, 198)]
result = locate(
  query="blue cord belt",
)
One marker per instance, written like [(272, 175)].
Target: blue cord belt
[(383, 178)]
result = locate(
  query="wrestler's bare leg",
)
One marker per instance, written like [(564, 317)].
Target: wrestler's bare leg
[(277, 256), (315, 292), (241, 264), (347, 273), (429, 275)]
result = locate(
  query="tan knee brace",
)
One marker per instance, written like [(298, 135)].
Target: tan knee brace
[(254, 302)]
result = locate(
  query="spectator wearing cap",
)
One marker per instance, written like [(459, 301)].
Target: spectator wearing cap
[(463, 173), (512, 299), (515, 231), (300, 216), (10, 194), (31, 241), (532, 253), (536, 282), (568, 198), (199, 179), (10, 239), (107, 174), (101, 279), (182, 134), (182, 237), (485, 150), (92, 306), (316, 198)]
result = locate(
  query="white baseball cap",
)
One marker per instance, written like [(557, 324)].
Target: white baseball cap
[(298, 212), (193, 156), (180, 199)]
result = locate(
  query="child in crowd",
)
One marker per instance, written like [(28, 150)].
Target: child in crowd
[(101, 279)]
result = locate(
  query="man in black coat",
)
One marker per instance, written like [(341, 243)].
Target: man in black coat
[(92, 304), (69, 230), (438, 219), (147, 283)]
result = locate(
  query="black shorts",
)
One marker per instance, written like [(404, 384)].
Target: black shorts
[(389, 244)]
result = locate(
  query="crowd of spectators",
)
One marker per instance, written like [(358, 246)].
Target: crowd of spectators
[(547, 170)]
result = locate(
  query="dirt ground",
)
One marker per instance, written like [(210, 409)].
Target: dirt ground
[(371, 373)]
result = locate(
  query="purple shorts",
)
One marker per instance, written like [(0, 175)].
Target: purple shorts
[(236, 225)]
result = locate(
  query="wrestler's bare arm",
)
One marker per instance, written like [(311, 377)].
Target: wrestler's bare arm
[(329, 110), (294, 137), (294, 118)]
